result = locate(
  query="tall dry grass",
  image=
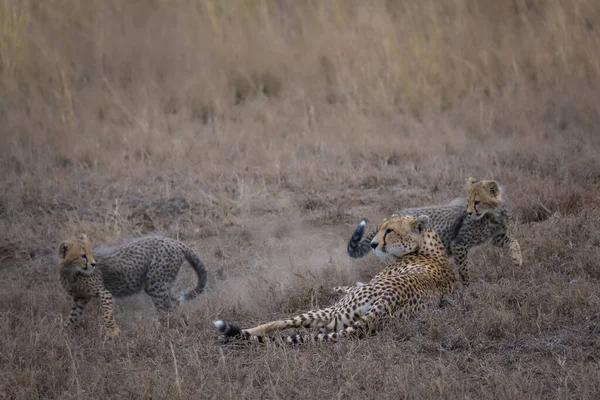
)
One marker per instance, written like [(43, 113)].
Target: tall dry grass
[(260, 132), (144, 68)]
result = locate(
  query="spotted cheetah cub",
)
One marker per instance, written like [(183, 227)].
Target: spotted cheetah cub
[(150, 263), (463, 224), (415, 281)]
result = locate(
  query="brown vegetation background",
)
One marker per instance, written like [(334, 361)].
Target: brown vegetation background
[(260, 132)]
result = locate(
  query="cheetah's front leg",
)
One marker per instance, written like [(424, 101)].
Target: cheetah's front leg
[(106, 299), (346, 289), (507, 242), (459, 254), (79, 304)]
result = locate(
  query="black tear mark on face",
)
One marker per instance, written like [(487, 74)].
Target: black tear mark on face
[(387, 231)]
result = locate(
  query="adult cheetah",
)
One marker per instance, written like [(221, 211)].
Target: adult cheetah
[(150, 263), (414, 282), (465, 223)]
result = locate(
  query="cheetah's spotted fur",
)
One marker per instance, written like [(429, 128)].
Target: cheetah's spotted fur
[(414, 282), (461, 225), (150, 263)]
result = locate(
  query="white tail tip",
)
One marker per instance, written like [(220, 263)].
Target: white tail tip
[(219, 324), (182, 297), (362, 223)]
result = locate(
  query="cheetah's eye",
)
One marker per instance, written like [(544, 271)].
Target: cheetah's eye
[(84, 256), (388, 231), (476, 202)]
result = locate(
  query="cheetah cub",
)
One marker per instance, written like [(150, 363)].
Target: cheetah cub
[(150, 263), (480, 218)]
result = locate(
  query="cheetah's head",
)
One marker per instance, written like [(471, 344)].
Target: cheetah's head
[(482, 197), (77, 254), (399, 235)]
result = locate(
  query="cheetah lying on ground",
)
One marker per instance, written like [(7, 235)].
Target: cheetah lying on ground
[(461, 225), (414, 282), (150, 263)]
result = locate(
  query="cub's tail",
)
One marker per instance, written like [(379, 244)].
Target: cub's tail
[(358, 246), (195, 262)]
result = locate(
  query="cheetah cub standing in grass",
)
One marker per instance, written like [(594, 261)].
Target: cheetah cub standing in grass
[(414, 282), (462, 225), (150, 263)]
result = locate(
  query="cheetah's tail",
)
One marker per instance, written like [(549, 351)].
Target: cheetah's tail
[(358, 246), (195, 262), (232, 331)]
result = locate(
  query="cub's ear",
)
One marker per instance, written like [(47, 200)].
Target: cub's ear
[(421, 223), (63, 249), (493, 188)]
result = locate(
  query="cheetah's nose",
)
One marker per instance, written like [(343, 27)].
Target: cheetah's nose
[(469, 212), (93, 265), (374, 245)]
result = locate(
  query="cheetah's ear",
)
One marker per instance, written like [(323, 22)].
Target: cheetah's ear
[(472, 180), (421, 223), (63, 249), (493, 188)]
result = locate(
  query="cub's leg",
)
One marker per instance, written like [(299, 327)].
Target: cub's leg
[(161, 296), (106, 300), (158, 285), (506, 242), (459, 253), (79, 304)]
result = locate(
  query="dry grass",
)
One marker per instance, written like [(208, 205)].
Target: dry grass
[(260, 132)]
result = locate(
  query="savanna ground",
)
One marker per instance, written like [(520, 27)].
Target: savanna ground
[(260, 133)]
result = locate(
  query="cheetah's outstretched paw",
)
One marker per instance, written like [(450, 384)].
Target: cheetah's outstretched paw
[(114, 332)]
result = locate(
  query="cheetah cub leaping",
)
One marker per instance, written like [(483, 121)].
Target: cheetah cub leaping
[(414, 282), (150, 263), (462, 225)]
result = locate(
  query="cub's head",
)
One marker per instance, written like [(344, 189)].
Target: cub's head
[(77, 254), (482, 196), (399, 235)]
